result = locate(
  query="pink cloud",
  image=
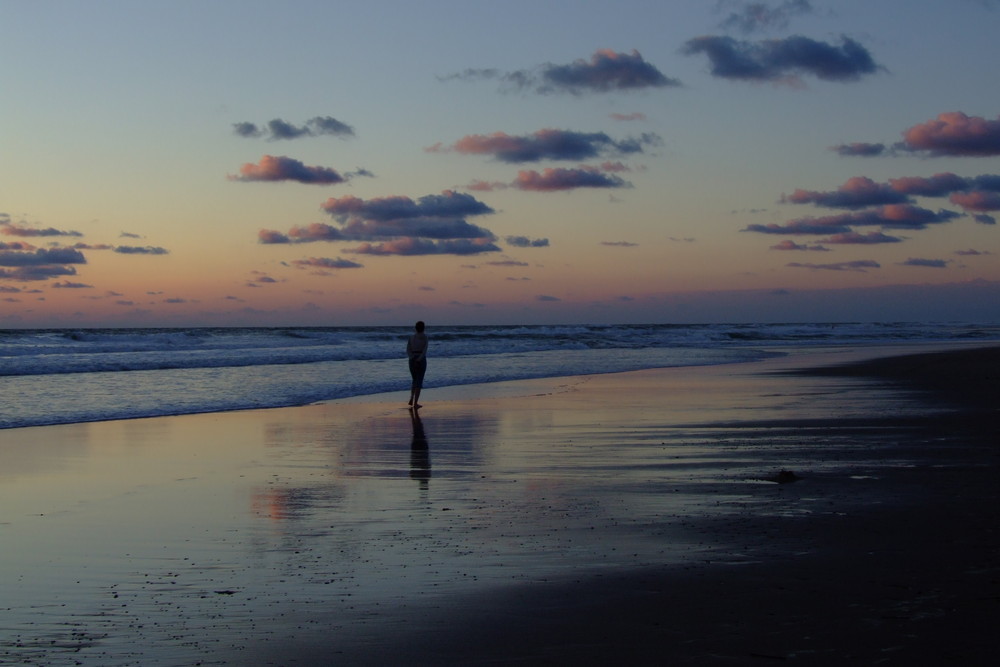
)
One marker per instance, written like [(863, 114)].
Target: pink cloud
[(955, 133), (280, 168), (553, 179), (977, 200), (792, 245)]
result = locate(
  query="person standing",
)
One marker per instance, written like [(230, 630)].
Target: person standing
[(416, 352)]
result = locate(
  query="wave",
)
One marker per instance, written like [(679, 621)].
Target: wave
[(53, 351)]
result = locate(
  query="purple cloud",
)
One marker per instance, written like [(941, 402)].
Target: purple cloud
[(525, 242), (859, 149), (279, 168), (754, 16), (955, 134), (326, 263), (140, 250), (416, 246), (857, 192), (606, 71), (278, 129), (860, 265), (548, 144), (42, 257), (930, 263), (554, 179), (433, 224), (783, 59), (792, 245)]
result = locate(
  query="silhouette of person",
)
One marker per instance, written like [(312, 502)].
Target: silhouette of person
[(420, 453), (416, 352)]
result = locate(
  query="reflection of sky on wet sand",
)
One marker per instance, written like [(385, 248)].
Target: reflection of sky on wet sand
[(121, 538)]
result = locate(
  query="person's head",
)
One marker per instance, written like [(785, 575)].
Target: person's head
[(419, 326)]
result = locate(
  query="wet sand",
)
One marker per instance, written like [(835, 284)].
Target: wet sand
[(634, 518)]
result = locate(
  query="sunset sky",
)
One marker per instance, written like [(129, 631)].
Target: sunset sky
[(342, 163)]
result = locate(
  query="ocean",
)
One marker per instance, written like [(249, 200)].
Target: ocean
[(58, 376)]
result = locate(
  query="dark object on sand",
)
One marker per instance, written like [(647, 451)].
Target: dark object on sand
[(785, 476)]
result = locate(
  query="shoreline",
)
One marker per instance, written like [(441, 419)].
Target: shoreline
[(630, 517)]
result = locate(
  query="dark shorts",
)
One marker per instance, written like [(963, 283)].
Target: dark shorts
[(417, 370)]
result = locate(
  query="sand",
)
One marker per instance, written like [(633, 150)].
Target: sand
[(633, 518)]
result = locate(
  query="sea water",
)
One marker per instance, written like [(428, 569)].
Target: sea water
[(53, 376)]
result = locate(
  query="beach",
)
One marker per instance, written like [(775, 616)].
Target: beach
[(627, 518)]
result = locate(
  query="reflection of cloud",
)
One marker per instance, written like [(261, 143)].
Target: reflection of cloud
[(783, 59), (606, 71)]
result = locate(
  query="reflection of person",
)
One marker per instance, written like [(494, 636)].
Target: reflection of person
[(416, 351), (420, 454)]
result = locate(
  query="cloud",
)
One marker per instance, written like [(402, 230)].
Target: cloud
[(44, 272), (783, 59), (279, 168), (984, 219), (606, 71), (620, 244), (792, 245), (938, 185), (326, 263), (546, 297), (756, 16), (893, 216), (71, 285), (857, 192), (860, 265), (628, 116), (550, 180), (931, 263), (42, 257), (972, 253), (859, 149), (278, 129), (129, 235), (16, 245), (433, 224), (855, 238), (10, 229), (140, 250), (507, 262), (977, 200), (416, 246), (548, 144), (955, 134), (525, 242)]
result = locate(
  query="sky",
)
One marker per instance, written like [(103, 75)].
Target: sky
[(315, 163)]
